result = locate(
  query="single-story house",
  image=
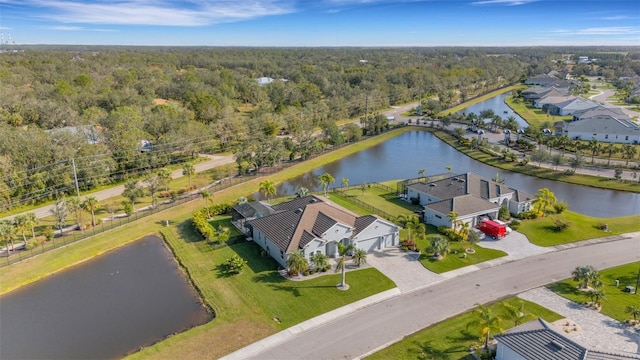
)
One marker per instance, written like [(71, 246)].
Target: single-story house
[(315, 225), (537, 339), (546, 100), (471, 196), (535, 93), (603, 124), (570, 106)]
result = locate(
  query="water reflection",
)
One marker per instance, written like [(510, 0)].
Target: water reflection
[(403, 156), (117, 303)]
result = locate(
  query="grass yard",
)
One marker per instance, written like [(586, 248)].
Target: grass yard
[(616, 300), (248, 303), (456, 258), (224, 222), (581, 227), (380, 199), (533, 116), (451, 339)]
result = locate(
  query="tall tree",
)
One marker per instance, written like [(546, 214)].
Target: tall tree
[(60, 212), (91, 204), (33, 221), (487, 320), (595, 147), (188, 169), (165, 176), (153, 182), (75, 205), (6, 234), (421, 173), (326, 179), (268, 189), (345, 183), (206, 195), (611, 149), (453, 216), (21, 225), (517, 312), (629, 151), (544, 198), (133, 191), (342, 263)]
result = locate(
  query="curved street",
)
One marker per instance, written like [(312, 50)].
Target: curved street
[(368, 329)]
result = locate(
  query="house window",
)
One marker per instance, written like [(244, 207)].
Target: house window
[(606, 136), (626, 137), (282, 254), (439, 217)]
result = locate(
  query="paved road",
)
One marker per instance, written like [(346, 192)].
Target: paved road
[(214, 161), (376, 326)]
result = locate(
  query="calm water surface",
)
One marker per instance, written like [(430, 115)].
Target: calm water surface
[(128, 298), (403, 156)]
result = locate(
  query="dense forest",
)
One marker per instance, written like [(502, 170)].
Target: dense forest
[(114, 112)]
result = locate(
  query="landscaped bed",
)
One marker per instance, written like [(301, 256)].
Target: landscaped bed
[(616, 299)]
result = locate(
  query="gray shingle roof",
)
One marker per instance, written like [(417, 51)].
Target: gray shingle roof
[(615, 113), (463, 184), (299, 221), (463, 205)]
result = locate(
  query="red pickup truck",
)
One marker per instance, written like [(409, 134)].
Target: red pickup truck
[(493, 229)]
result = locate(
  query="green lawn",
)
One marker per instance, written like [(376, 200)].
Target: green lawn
[(616, 299), (456, 258), (224, 222), (531, 115), (380, 199), (451, 339), (540, 232)]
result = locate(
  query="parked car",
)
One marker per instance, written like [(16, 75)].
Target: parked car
[(493, 229)]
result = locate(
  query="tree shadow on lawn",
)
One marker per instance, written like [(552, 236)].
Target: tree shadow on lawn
[(427, 350), (187, 232), (563, 288), (295, 289)]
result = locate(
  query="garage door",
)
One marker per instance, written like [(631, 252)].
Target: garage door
[(368, 245)]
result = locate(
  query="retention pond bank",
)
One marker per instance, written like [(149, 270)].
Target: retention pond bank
[(104, 308)]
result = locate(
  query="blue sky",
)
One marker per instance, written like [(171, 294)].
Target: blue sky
[(322, 22)]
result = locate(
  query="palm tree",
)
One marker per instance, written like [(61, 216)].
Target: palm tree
[(21, 225), (345, 183), (242, 200), (585, 274), (453, 216), (611, 149), (473, 238), (321, 261), (297, 263), (595, 148), (342, 264), (596, 295), (633, 310), (206, 195), (153, 183), (326, 179), (165, 176), (629, 152), (359, 257), (464, 230), (516, 312), (75, 205), (6, 233), (545, 197), (302, 192), (487, 320), (91, 204), (411, 223), (562, 142), (577, 161), (32, 220), (188, 170), (268, 189), (439, 246)]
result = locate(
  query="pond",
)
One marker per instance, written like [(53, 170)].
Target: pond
[(105, 308), (403, 156), (498, 106)]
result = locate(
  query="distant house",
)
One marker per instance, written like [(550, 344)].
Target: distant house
[(93, 134), (535, 93), (541, 79), (603, 124), (542, 102), (570, 106), (471, 196), (262, 81), (314, 225), (538, 340)]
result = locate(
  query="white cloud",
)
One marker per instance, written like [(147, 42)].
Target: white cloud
[(157, 12), (612, 30), (503, 2)]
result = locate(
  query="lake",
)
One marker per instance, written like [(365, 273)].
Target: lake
[(498, 106), (403, 156), (105, 308)]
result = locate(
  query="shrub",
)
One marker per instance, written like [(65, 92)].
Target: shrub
[(128, 208), (560, 207), (415, 201), (503, 213), (531, 214), (235, 264), (603, 226), (514, 224), (559, 225)]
